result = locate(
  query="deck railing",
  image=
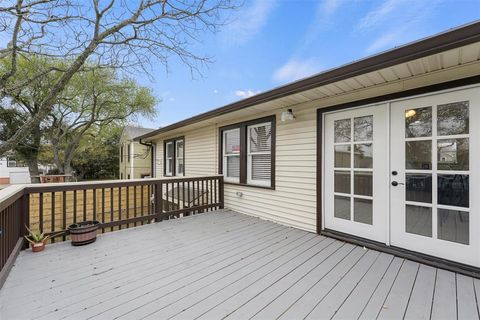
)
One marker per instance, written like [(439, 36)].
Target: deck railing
[(51, 208)]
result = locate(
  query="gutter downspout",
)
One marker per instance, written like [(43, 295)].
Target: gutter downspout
[(152, 146)]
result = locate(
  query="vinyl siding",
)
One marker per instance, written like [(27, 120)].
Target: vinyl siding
[(293, 202)]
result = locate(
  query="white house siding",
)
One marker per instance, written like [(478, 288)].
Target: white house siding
[(293, 202)]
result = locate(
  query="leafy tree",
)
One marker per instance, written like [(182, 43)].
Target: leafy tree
[(114, 33), (97, 155), (92, 101)]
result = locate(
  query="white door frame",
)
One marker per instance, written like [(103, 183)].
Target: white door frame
[(475, 228)]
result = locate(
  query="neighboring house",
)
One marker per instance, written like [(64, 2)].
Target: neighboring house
[(383, 151), (12, 171), (135, 157)]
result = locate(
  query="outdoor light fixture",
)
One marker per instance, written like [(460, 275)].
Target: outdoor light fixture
[(287, 115)]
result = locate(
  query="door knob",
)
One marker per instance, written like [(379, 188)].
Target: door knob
[(395, 183)]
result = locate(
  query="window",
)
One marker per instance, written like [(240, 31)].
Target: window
[(174, 157), (248, 153), (259, 149), (11, 162), (231, 155), (121, 153), (128, 153)]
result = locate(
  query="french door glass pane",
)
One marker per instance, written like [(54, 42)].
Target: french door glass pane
[(453, 154), (363, 155), (363, 183), (342, 156), (453, 118), (418, 122), (418, 220), (343, 130), (342, 181), (363, 128), (363, 211), (418, 187), (453, 226), (418, 155), (453, 190), (342, 207)]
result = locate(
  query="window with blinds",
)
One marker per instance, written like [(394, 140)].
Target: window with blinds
[(259, 154), (174, 157), (231, 155), (247, 152)]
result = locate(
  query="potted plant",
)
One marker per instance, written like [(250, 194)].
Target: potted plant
[(83, 233), (37, 240)]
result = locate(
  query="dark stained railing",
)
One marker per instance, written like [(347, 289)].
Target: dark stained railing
[(51, 208), (12, 220)]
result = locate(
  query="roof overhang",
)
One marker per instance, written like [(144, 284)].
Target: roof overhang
[(423, 56)]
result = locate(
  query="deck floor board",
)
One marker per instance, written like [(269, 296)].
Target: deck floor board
[(225, 265)]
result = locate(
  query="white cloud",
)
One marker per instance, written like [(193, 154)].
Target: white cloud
[(328, 7), (387, 40), (215, 91), (250, 20), (377, 15), (246, 93), (171, 99), (296, 69)]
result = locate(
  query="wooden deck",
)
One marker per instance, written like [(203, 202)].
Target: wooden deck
[(227, 265)]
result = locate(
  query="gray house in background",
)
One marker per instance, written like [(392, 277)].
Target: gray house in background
[(135, 159)]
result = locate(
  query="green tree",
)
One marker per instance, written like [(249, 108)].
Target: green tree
[(94, 100)]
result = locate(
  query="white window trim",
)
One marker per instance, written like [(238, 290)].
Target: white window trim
[(251, 181), (167, 158), (225, 156)]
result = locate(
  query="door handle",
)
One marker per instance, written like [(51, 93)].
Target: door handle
[(395, 183)]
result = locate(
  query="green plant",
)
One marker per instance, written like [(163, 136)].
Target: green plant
[(35, 238)]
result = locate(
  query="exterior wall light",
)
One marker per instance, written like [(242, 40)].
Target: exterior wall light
[(287, 115)]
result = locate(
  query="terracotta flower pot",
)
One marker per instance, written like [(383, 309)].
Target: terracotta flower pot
[(83, 233), (39, 246)]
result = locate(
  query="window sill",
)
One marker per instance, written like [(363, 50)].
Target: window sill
[(248, 185)]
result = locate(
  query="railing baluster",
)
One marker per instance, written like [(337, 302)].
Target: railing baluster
[(84, 204), (111, 207), (74, 206), (40, 213), (103, 208), (127, 203), (94, 191), (119, 207), (64, 213), (142, 202), (52, 224), (135, 203)]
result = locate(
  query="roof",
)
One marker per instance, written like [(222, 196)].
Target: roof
[(132, 132), (450, 39)]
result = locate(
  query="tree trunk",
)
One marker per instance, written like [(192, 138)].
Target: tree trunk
[(32, 163)]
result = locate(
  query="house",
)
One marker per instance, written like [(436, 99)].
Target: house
[(134, 157), (12, 171), (381, 152)]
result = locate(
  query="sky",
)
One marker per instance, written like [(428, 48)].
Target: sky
[(269, 43)]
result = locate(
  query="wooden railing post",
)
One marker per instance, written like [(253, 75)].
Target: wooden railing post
[(221, 191), (25, 218), (158, 200)]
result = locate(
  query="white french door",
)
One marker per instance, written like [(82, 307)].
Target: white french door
[(356, 199), (407, 173), (435, 175)]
